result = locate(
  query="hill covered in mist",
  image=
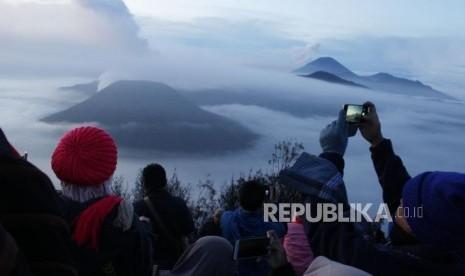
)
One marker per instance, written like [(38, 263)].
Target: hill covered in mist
[(150, 115)]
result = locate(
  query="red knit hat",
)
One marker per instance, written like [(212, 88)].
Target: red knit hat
[(85, 156)]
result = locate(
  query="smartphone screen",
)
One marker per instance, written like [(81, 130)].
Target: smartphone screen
[(251, 248), (354, 113)]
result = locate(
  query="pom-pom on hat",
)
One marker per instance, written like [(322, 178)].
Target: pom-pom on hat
[(85, 156)]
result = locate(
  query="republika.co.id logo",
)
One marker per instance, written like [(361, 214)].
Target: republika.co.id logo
[(330, 212)]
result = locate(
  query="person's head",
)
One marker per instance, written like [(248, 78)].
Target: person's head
[(153, 178), (217, 215), (252, 195), (85, 160), (433, 208)]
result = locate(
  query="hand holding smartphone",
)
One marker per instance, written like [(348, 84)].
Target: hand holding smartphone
[(355, 113)]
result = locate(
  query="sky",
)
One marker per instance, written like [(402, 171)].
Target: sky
[(417, 39), (320, 18)]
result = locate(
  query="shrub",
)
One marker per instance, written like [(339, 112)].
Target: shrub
[(207, 198)]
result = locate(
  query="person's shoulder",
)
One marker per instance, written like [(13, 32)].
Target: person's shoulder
[(227, 216), (122, 216), (226, 223), (229, 213)]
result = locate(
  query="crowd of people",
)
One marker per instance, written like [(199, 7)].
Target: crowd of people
[(85, 229)]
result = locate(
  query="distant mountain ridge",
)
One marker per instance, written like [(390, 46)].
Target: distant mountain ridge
[(88, 88), (380, 81), (150, 115), (328, 77)]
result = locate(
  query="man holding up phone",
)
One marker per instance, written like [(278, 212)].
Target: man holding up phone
[(432, 244)]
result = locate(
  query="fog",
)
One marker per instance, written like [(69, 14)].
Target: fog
[(102, 40), (427, 133), (70, 38)]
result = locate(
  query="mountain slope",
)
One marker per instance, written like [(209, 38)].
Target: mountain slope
[(380, 81), (393, 84), (328, 77), (325, 64), (150, 115)]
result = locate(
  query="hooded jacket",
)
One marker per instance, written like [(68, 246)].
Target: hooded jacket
[(342, 242)]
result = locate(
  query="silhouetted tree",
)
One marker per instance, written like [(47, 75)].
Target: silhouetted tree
[(137, 191), (120, 188), (176, 188), (207, 198)]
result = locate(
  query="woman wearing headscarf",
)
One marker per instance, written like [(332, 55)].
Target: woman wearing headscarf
[(111, 240)]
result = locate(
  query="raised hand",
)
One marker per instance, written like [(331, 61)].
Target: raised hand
[(370, 127), (333, 138)]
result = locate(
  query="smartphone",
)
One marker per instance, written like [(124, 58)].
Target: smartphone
[(355, 113), (251, 248)]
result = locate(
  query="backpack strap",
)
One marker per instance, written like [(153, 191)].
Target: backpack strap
[(160, 225)]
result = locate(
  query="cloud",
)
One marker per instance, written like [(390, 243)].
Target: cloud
[(79, 37), (426, 134), (250, 42), (261, 43), (302, 55), (88, 38)]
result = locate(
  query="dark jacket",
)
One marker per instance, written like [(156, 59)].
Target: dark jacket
[(285, 270), (30, 212), (341, 242), (12, 262), (177, 219), (120, 251)]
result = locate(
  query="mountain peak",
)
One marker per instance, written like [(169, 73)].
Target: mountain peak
[(326, 64), (324, 67), (326, 60), (150, 115)]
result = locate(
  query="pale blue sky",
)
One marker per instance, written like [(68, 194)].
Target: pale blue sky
[(308, 19), (417, 39)]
